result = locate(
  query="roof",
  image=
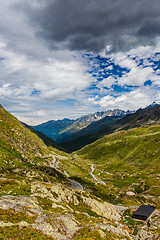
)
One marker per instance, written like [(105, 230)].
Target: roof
[(144, 211)]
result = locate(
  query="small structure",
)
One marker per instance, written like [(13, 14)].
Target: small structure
[(144, 212)]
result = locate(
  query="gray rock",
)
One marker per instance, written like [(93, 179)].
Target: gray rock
[(42, 218), (20, 204), (103, 209), (143, 235)]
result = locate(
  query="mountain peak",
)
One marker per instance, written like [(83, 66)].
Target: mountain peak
[(155, 103)]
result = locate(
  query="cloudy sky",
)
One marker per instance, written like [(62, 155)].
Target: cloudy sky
[(67, 58)]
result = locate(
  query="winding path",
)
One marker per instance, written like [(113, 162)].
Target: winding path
[(75, 184), (93, 176), (53, 162)]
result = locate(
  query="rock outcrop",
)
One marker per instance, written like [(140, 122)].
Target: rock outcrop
[(103, 209)]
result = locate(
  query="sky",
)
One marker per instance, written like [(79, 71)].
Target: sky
[(67, 58)]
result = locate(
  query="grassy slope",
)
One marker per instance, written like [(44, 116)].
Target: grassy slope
[(138, 147), (18, 145), (133, 159)]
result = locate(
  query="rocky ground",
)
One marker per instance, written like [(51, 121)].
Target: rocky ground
[(58, 211)]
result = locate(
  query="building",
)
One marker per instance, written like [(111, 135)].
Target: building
[(144, 212)]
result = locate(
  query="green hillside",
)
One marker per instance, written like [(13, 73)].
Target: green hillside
[(128, 161), (18, 145)]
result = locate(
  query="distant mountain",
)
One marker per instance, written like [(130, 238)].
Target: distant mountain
[(47, 140), (155, 103), (53, 128), (91, 128), (141, 118), (85, 120), (99, 115), (62, 130)]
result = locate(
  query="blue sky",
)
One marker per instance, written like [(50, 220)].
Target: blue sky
[(62, 60)]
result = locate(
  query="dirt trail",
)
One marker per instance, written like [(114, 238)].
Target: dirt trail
[(93, 176), (75, 184)]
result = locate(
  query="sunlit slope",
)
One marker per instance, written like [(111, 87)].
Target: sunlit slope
[(127, 161), (127, 150), (18, 145)]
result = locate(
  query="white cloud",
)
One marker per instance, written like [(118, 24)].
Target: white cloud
[(107, 82), (139, 64), (132, 100), (123, 60), (54, 79), (19, 71), (137, 76), (35, 79), (109, 67)]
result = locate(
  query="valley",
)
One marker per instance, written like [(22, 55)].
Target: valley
[(46, 193)]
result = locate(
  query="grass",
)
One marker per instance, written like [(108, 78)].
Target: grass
[(19, 146), (45, 203), (83, 208), (17, 233), (131, 156), (88, 234), (11, 187), (94, 234), (15, 217)]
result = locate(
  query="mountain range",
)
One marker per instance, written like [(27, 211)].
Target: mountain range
[(67, 129), (72, 135), (142, 117)]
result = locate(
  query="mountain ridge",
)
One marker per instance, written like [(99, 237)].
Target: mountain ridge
[(58, 130), (142, 117)]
